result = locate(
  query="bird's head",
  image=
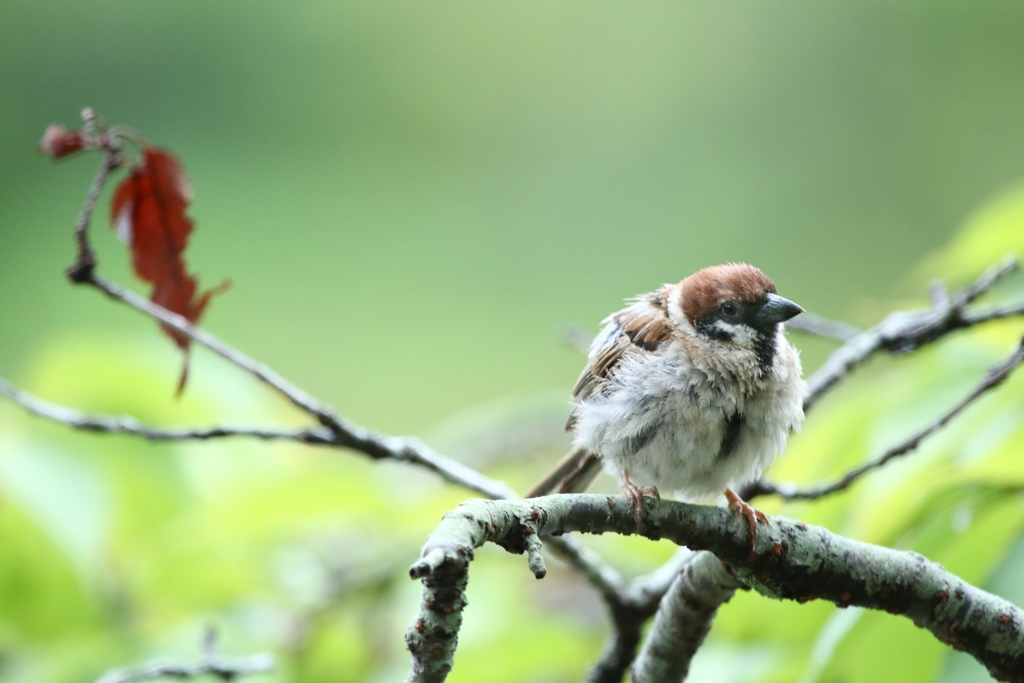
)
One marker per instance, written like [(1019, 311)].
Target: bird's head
[(735, 304)]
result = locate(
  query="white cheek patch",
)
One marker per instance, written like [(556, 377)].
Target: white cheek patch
[(741, 334)]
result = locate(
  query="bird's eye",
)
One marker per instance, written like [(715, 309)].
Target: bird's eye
[(730, 310)]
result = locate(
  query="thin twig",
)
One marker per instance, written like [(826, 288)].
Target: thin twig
[(604, 578), (905, 331), (639, 602), (823, 327), (125, 424), (993, 378), (213, 664), (225, 669), (997, 313), (85, 261), (323, 413), (576, 337)]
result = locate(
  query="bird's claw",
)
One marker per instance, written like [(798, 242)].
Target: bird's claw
[(635, 494), (753, 515)]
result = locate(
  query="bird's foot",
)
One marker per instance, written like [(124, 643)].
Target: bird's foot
[(741, 507), (635, 494)]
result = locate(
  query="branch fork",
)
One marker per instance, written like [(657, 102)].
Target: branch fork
[(788, 560)]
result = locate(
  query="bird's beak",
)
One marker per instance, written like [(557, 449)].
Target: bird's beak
[(776, 310)]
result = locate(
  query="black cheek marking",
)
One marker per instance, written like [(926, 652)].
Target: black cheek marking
[(707, 328), (733, 427)]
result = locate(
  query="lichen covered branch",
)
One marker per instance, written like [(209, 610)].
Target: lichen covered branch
[(683, 620), (788, 560)]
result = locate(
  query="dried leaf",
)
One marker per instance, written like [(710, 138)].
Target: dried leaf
[(148, 212)]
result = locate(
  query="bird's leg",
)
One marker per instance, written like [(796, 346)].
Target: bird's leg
[(753, 515), (636, 494)]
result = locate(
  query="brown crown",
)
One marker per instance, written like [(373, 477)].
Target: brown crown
[(707, 289)]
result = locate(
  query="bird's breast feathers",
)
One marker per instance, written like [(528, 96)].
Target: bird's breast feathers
[(679, 411)]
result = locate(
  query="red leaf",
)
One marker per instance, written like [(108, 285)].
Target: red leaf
[(59, 142), (148, 212)]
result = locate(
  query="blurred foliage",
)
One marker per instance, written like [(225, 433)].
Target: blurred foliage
[(411, 202), (116, 550)]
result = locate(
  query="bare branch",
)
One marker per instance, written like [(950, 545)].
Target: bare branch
[(823, 327), (905, 331), (997, 313), (604, 578), (85, 262), (213, 664), (683, 620), (224, 669), (354, 438), (992, 379), (641, 599), (788, 560), (645, 592), (617, 655), (323, 413), (126, 424)]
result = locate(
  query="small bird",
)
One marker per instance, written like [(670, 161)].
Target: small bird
[(693, 389)]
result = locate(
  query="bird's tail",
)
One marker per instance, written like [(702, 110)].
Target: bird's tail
[(573, 474)]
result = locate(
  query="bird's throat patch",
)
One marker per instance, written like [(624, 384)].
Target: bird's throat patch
[(764, 348)]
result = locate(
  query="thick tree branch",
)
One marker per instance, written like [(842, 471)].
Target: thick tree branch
[(629, 613), (788, 560), (683, 620), (993, 378)]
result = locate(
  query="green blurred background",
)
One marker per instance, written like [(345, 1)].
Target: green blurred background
[(412, 201)]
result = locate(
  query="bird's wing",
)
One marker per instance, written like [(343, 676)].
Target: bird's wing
[(640, 328), (644, 326)]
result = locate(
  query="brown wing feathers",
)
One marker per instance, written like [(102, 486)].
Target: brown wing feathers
[(647, 324), (644, 326)]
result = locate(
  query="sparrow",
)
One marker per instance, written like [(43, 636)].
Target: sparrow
[(692, 389)]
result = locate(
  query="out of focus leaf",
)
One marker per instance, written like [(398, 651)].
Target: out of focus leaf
[(42, 596), (995, 230), (65, 496)]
